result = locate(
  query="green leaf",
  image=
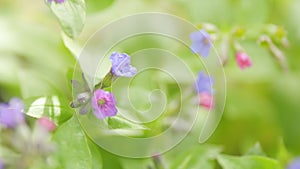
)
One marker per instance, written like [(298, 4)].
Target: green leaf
[(73, 46), (71, 16), (72, 146), (96, 155), (196, 157), (247, 162), (53, 107), (256, 150), (123, 126), (96, 5), (117, 122), (130, 163)]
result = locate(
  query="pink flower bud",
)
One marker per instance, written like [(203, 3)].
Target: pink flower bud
[(243, 60), (47, 124), (206, 100)]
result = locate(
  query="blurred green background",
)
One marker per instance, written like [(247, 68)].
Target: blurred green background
[(262, 102)]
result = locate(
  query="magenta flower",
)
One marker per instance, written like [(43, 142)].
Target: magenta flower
[(46, 123), (294, 164), (204, 83), (104, 104), (201, 42), (206, 100), (243, 60), (11, 114), (121, 65)]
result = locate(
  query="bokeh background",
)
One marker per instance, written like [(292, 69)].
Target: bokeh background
[(262, 104)]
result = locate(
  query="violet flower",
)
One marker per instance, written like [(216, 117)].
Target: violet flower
[(1, 164), (121, 65), (104, 104), (204, 83), (294, 164), (11, 114), (201, 42)]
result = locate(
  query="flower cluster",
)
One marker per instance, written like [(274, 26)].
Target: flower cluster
[(17, 135), (103, 102), (202, 45), (204, 90)]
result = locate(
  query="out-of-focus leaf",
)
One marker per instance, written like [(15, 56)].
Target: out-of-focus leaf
[(247, 162), (73, 46), (117, 122), (96, 155), (196, 157), (285, 95), (53, 107), (71, 16), (256, 150), (72, 146), (96, 5), (136, 163)]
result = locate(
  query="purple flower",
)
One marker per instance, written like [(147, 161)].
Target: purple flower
[(295, 164), (201, 42), (104, 104), (56, 1), (1, 164), (11, 114), (204, 83), (121, 65)]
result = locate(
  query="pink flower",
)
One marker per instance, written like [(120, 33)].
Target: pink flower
[(206, 100), (104, 104), (47, 124), (243, 60)]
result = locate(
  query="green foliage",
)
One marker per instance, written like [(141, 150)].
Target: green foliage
[(53, 107), (262, 106), (247, 162), (71, 16), (196, 157), (73, 147)]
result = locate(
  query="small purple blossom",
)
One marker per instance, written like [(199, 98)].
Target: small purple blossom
[(201, 42), (121, 65), (1, 164), (104, 104), (295, 164), (56, 1), (11, 114), (204, 83)]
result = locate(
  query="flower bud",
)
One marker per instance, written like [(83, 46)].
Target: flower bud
[(243, 60), (47, 124)]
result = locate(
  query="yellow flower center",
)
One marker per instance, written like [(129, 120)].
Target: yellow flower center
[(101, 102)]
